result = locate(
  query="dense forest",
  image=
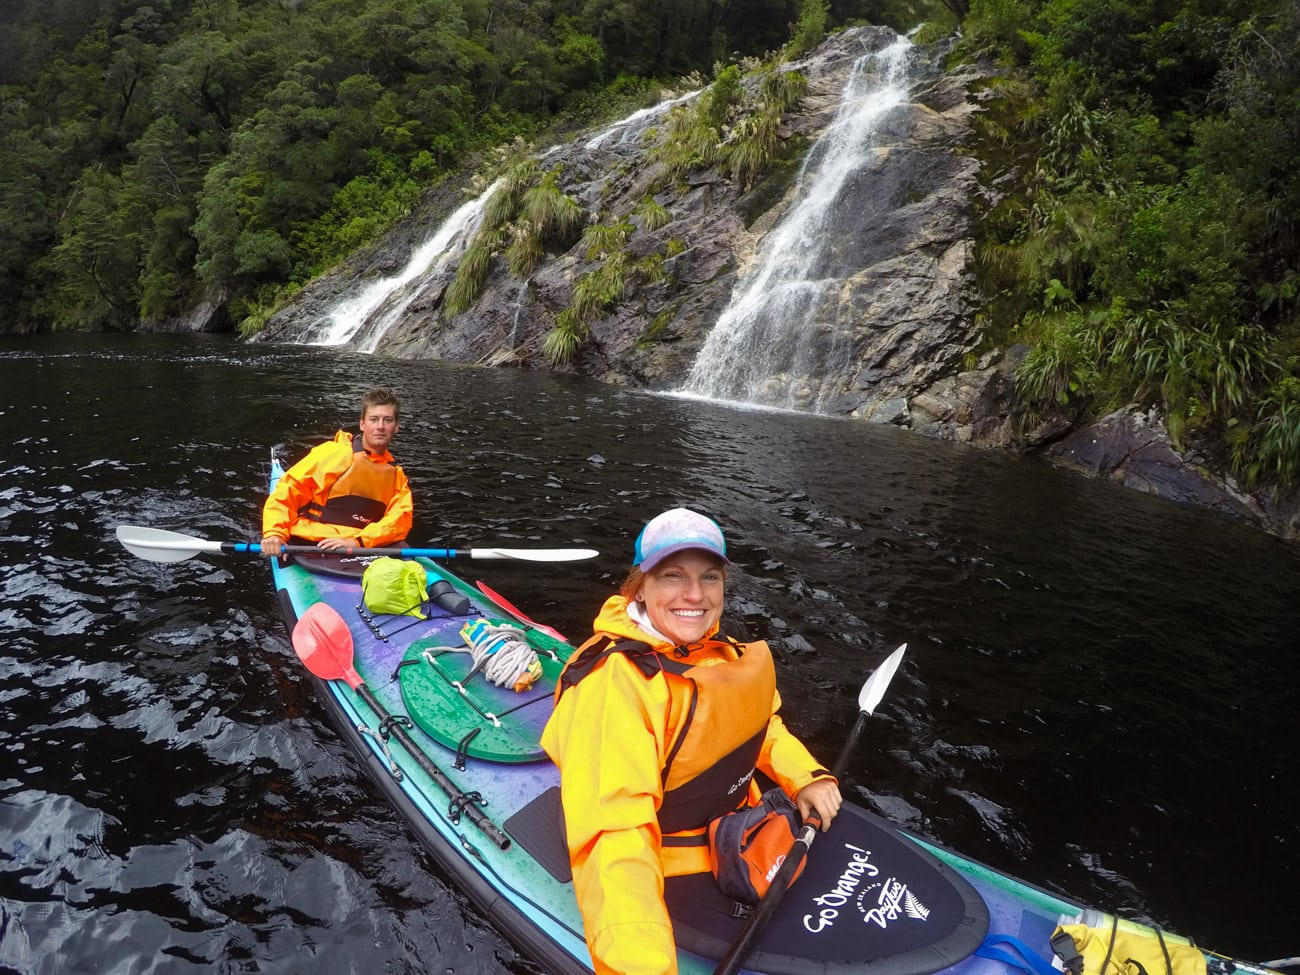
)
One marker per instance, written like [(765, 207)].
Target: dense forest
[(156, 150), (1145, 241), (1142, 157)]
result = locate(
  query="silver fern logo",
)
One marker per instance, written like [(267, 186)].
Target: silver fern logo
[(914, 908), (893, 901), (879, 900)]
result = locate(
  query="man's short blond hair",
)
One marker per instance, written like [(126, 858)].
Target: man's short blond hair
[(380, 396)]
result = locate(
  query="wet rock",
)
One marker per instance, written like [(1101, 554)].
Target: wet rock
[(902, 253), (1133, 448), (208, 314)]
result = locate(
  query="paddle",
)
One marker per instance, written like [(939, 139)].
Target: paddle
[(159, 545), (518, 613), (323, 642), (868, 698)]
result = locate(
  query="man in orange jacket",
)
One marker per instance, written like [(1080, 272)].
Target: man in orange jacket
[(659, 725), (347, 492)]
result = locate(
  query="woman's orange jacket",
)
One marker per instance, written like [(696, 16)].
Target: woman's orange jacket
[(610, 738), (310, 481)]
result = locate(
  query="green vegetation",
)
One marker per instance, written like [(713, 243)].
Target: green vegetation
[(1144, 241), (526, 214), (730, 124), (156, 151), (1141, 236), (596, 292)]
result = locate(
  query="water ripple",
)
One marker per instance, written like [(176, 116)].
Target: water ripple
[(1097, 695)]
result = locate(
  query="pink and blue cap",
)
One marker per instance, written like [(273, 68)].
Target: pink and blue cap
[(676, 530)]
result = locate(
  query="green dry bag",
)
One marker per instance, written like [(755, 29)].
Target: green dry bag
[(394, 587)]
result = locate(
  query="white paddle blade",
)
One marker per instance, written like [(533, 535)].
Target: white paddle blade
[(160, 545), (874, 689), (534, 554)]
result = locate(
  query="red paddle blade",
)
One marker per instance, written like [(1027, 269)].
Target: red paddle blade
[(518, 613), (323, 642)]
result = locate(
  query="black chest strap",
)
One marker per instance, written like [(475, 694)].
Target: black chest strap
[(647, 659)]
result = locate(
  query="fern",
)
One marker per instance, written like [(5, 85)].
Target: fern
[(650, 269), (688, 143), (1061, 368), (602, 239), (472, 271), (723, 95), (525, 250), (502, 206), (564, 339), (1277, 434), (555, 214), (782, 90), (599, 290), (653, 215), (751, 146)]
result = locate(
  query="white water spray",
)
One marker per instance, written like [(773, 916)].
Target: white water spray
[(628, 131), (786, 334), (363, 318)]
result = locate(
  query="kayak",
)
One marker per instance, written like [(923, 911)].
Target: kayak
[(458, 755)]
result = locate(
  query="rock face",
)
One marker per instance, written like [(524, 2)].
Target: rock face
[(1134, 449), (898, 251), (208, 314), (895, 298)]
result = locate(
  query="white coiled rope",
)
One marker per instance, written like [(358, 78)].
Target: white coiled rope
[(503, 653)]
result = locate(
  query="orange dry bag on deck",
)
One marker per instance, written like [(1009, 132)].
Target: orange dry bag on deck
[(747, 847)]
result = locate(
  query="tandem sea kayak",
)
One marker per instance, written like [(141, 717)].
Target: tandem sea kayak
[(458, 755)]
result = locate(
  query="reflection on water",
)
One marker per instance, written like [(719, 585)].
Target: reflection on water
[(1098, 694)]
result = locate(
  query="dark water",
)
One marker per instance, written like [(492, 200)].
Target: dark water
[(1100, 694)]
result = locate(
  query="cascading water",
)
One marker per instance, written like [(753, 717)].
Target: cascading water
[(629, 130), (787, 336), (362, 318)]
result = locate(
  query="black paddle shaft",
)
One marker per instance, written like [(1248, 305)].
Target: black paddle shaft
[(768, 904), (458, 795)]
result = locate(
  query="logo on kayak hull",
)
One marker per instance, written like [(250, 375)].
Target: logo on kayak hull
[(879, 902)]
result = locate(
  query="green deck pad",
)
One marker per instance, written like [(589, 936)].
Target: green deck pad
[(484, 721)]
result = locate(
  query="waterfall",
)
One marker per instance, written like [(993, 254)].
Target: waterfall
[(362, 318), (628, 131), (787, 337)]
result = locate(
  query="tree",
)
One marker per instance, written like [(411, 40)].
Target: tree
[(96, 259)]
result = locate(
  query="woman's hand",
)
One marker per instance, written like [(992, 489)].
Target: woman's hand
[(822, 797)]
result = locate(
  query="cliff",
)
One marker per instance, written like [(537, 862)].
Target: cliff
[(866, 309)]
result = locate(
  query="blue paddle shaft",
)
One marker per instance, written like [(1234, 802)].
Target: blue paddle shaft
[(255, 548)]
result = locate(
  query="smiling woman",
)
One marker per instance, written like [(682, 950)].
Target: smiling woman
[(682, 599), (677, 584), (660, 727)]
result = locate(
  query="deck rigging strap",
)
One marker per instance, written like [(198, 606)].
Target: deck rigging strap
[(1026, 960)]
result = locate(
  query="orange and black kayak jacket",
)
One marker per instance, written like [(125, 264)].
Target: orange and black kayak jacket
[(340, 491)]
